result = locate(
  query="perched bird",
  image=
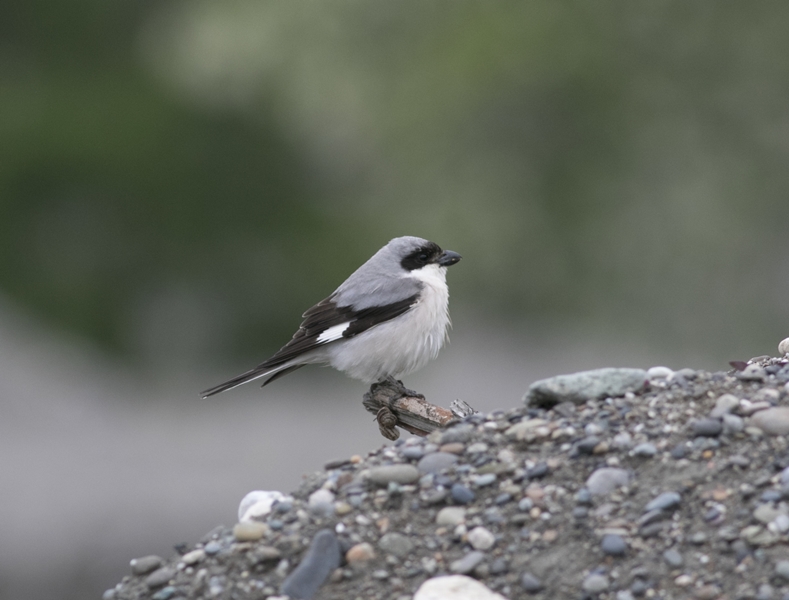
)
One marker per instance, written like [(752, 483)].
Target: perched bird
[(389, 318)]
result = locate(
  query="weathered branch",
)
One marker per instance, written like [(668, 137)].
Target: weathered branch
[(411, 413)]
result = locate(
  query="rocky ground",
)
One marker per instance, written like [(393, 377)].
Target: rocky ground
[(617, 483)]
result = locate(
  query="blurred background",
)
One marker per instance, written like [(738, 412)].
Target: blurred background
[(180, 180)]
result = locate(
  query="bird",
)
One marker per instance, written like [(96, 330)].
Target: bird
[(388, 319)]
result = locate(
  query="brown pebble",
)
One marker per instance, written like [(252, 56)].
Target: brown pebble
[(601, 448), (453, 448), (383, 524), (249, 531), (356, 459), (550, 535), (360, 553)]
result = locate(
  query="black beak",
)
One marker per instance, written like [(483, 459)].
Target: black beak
[(448, 258)]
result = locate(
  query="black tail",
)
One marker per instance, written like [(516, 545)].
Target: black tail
[(251, 375)]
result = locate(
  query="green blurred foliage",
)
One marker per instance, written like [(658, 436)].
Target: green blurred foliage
[(190, 173)]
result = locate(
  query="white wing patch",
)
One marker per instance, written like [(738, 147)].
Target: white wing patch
[(333, 333)]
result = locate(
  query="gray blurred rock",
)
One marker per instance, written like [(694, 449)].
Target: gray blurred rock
[(586, 385)]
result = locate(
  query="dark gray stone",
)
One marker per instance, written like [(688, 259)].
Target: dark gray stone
[(673, 558), (323, 556), (613, 544), (665, 501), (645, 450), (396, 544), (160, 577), (707, 427), (461, 494), (468, 563)]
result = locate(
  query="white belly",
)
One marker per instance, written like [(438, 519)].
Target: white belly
[(404, 344)]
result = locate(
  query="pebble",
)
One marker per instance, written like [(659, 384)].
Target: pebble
[(665, 501), (321, 502), (146, 564), (261, 500), (772, 421), (461, 494), (449, 516), (657, 373), (530, 583), (484, 480), (452, 448), (783, 347), (358, 553), (478, 448), (436, 462), (413, 452), (160, 577), (193, 557), (212, 548), (782, 569), (584, 386), (322, 557), (613, 544), (673, 558), (732, 424), (455, 587), (396, 544), (481, 538), (165, 593), (765, 513), (402, 474), (458, 433), (622, 440), (707, 427), (645, 450), (606, 479), (594, 583), (249, 531), (724, 405), (467, 563)]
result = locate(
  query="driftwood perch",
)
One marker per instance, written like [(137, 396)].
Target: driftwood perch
[(412, 413)]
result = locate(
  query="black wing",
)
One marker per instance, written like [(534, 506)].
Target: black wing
[(317, 320)]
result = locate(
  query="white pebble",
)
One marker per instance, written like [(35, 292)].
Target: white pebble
[(660, 373), (455, 587), (261, 500), (783, 347), (481, 539)]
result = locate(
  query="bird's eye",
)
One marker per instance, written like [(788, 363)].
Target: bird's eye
[(422, 258)]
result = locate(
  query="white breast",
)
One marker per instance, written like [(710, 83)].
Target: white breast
[(404, 344)]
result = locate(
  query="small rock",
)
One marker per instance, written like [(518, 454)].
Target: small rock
[(707, 427), (467, 563), (657, 373), (193, 557), (732, 424), (360, 553), (249, 531), (673, 558), (159, 577), (606, 479), (613, 545), (783, 347), (622, 440), (530, 583), (458, 433), (595, 583), (146, 564), (455, 587), (257, 504), (321, 502), (751, 372), (322, 557), (449, 516), (396, 543), (683, 580), (165, 593), (212, 548), (461, 494), (782, 569), (436, 462), (724, 405), (413, 452), (707, 592), (765, 513), (481, 538), (665, 501), (484, 480), (645, 450), (452, 448), (584, 386), (402, 474), (772, 421), (477, 448)]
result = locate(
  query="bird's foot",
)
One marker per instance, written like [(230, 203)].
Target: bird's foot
[(397, 386)]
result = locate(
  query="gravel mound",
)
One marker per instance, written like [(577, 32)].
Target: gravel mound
[(676, 489)]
